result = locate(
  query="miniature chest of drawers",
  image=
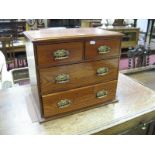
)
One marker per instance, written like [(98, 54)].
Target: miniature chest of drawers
[(72, 69)]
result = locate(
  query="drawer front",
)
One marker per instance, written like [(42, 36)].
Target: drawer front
[(67, 77), (102, 48), (63, 53), (76, 99)]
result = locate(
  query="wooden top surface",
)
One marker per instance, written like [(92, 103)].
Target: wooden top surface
[(67, 33), (17, 115)]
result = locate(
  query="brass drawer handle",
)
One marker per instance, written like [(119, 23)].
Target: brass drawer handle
[(64, 103), (62, 78), (103, 49), (102, 71), (101, 94), (61, 54)]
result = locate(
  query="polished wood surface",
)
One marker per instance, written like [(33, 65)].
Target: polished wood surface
[(17, 114), (91, 51), (82, 74), (70, 33), (80, 98), (46, 57)]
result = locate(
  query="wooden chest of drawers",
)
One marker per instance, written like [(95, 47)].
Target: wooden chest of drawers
[(72, 69)]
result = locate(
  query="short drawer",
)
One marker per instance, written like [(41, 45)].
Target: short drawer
[(63, 53), (76, 99), (99, 49), (67, 77)]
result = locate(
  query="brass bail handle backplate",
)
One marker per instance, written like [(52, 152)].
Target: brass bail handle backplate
[(104, 49), (101, 94), (102, 71), (61, 54), (62, 78), (64, 103)]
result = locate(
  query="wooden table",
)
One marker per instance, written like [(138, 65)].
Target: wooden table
[(90, 22), (132, 32), (19, 46), (136, 104)]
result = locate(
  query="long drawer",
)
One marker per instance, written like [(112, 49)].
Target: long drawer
[(67, 77), (63, 53), (76, 99), (103, 48)]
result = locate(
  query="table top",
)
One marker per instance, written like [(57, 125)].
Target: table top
[(18, 116), (69, 33)]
